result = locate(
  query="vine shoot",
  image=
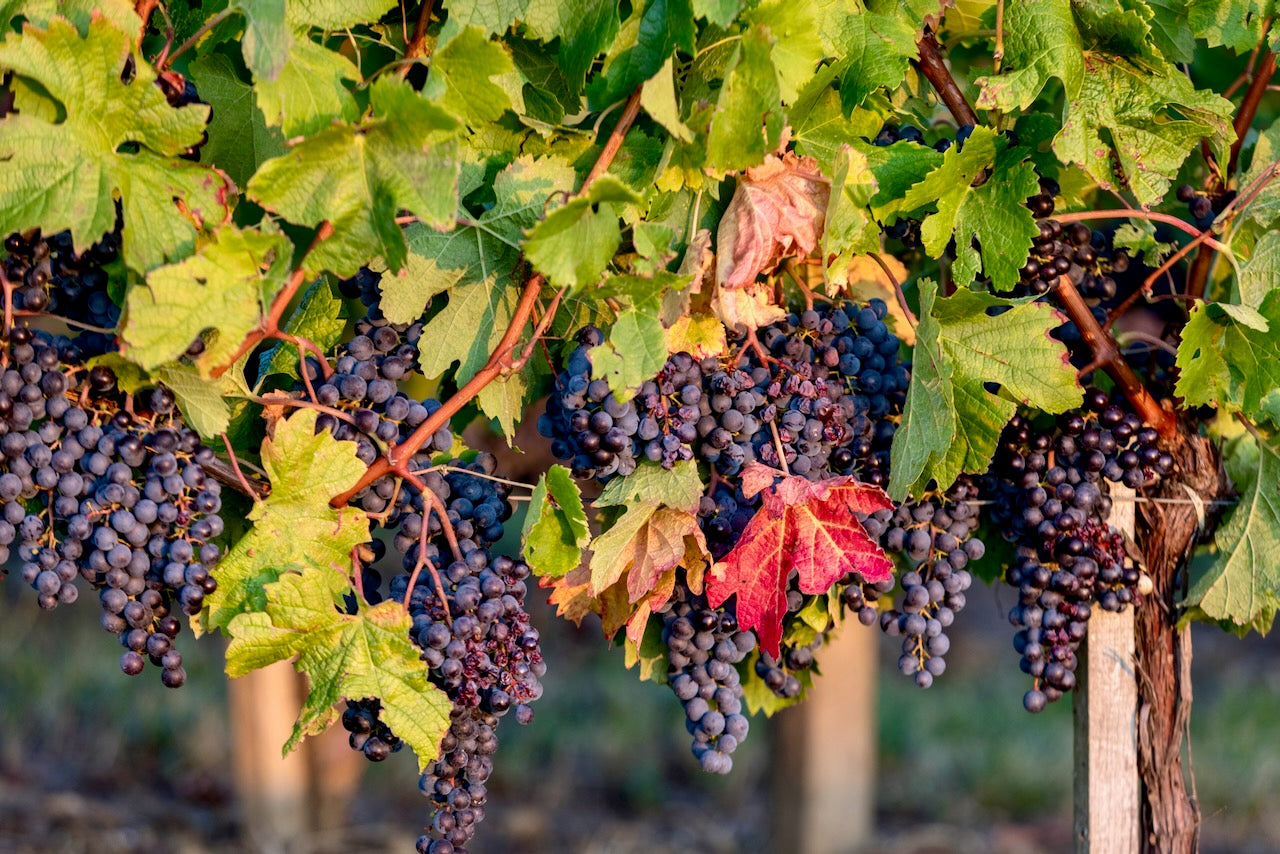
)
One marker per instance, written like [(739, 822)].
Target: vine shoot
[(825, 314)]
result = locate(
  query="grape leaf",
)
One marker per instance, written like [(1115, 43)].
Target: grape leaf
[(307, 94), (797, 43), (585, 29), (635, 350), (660, 101), (357, 175), (460, 77), (555, 528), (804, 527), (819, 126), (879, 43), (646, 542), (68, 175), (1041, 42), (318, 318), (777, 212), (993, 213), (951, 423), (39, 13), (266, 38), (1237, 24), (1229, 355), (849, 229), (206, 405), (336, 14), (1120, 28), (1242, 585), (491, 17), (367, 654), (718, 12), (679, 487), (239, 138), (658, 30), (1260, 275), (700, 337), (1152, 117), (1265, 208), (572, 245), (294, 527), (746, 123), (227, 286)]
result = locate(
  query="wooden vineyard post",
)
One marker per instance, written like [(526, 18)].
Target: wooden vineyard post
[(1105, 709), (824, 753)]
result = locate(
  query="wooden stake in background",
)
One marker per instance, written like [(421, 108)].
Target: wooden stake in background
[(824, 753), (1105, 707)]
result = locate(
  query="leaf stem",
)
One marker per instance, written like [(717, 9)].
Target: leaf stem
[(208, 25), (1107, 356), (398, 458), (235, 467), (935, 70), (269, 326)]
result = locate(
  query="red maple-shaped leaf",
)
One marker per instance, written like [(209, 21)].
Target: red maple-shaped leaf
[(804, 526)]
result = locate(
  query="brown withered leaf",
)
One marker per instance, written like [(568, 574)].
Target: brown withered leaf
[(777, 212)]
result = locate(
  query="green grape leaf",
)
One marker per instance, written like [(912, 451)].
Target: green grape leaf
[(335, 14), (404, 156), (1040, 42), (1116, 27), (404, 295), (660, 101), (679, 487), (68, 175), (317, 318), (585, 29), (206, 405), (849, 229), (897, 169), (1150, 118), (239, 138), (1169, 30), (1236, 24), (656, 31), (746, 123), (1260, 275), (1242, 583), (490, 17), (294, 527), (555, 528), (460, 77), (635, 350), (38, 13), (308, 92), (880, 45), (818, 123), (1229, 355), (352, 656), (994, 213), (266, 37), (1265, 208), (959, 348), (576, 241), (226, 286), (797, 44), (718, 12)]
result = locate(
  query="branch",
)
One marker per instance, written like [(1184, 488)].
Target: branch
[(418, 44), (935, 70), (897, 289), (269, 326), (1106, 355), (1153, 216), (196, 36), (1249, 106), (397, 459)]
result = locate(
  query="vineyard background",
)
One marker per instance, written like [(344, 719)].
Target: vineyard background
[(606, 753)]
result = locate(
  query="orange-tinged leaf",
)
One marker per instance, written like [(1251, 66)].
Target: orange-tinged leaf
[(805, 527), (776, 212)]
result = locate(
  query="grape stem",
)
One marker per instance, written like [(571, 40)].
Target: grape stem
[(8, 287), (935, 70), (235, 467), (418, 44), (218, 18), (269, 326), (398, 458), (1152, 216), (1106, 355), (437, 507)]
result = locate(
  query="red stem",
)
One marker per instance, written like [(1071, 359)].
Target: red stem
[(1249, 106), (1107, 356), (935, 70)]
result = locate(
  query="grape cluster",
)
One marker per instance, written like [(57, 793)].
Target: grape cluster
[(811, 398), (369, 733), (1083, 255), (52, 278), (455, 782), (937, 536), (903, 229), (703, 647), (118, 498), (1049, 498), (1204, 208)]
